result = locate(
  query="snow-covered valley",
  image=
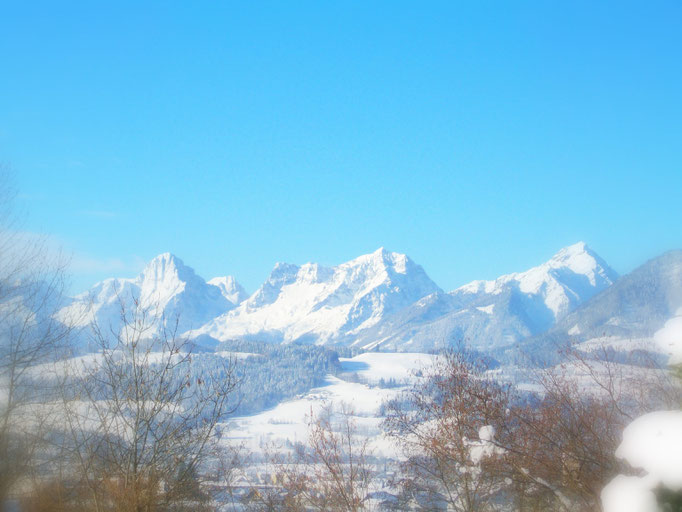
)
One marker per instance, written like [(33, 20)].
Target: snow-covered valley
[(382, 300), (392, 316), (366, 383), (348, 343)]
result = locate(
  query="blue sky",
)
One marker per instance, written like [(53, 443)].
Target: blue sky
[(476, 137)]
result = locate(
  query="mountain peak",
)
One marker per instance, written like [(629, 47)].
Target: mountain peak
[(283, 272), (314, 303), (166, 267), (166, 256), (166, 288), (573, 275), (164, 260), (568, 253), (581, 259), (383, 259), (576, 248), (230, 289)]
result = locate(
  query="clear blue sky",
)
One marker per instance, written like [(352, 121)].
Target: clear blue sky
[(477, 137)]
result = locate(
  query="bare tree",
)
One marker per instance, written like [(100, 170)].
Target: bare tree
[(332, 472), (562, 451), (449, 426), (31, 292), (474, 443), (141, 415)]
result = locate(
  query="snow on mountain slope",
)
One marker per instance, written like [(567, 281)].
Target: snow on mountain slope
[(316, 304), (230, 288), (491, 314), (167, 288), (664, 347), (570, 277), (380, 300), (637, 306)]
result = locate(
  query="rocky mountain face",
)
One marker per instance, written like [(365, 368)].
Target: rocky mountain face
[(627, 314), (382, 301), (316, 304), (167, 289), (230, 288), (487, 315)]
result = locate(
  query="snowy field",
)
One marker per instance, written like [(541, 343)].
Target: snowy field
[(279, 427), (373, 367)]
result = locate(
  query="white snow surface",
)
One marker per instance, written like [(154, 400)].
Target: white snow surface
[(320, 304), (487, 309), (401, 367), (629, 494), (652, 443), (230, 288), (166, 288), (572, 275), (618, 344), (485, 446), (288, 420), (669, 338)]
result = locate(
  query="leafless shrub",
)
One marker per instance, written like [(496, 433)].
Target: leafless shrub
[(31, 291), (552, 449), (141, 417), (563, 451), (437, 425), (332, 472)]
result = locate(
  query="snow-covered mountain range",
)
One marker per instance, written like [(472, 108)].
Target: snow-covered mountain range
[(166, 288), (626, 316), (230, 288), (490, 314), (382, 300), (317, 304)]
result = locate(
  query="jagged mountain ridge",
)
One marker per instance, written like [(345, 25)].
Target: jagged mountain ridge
[(230, 288), (381, 300), (634, 308), (487, 315), (166, 287), (571, 276), (316, 304)]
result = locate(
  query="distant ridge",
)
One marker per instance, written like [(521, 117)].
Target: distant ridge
[(166, 287), (377, 301), (487, 315), (316, 304), (635, 307)]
